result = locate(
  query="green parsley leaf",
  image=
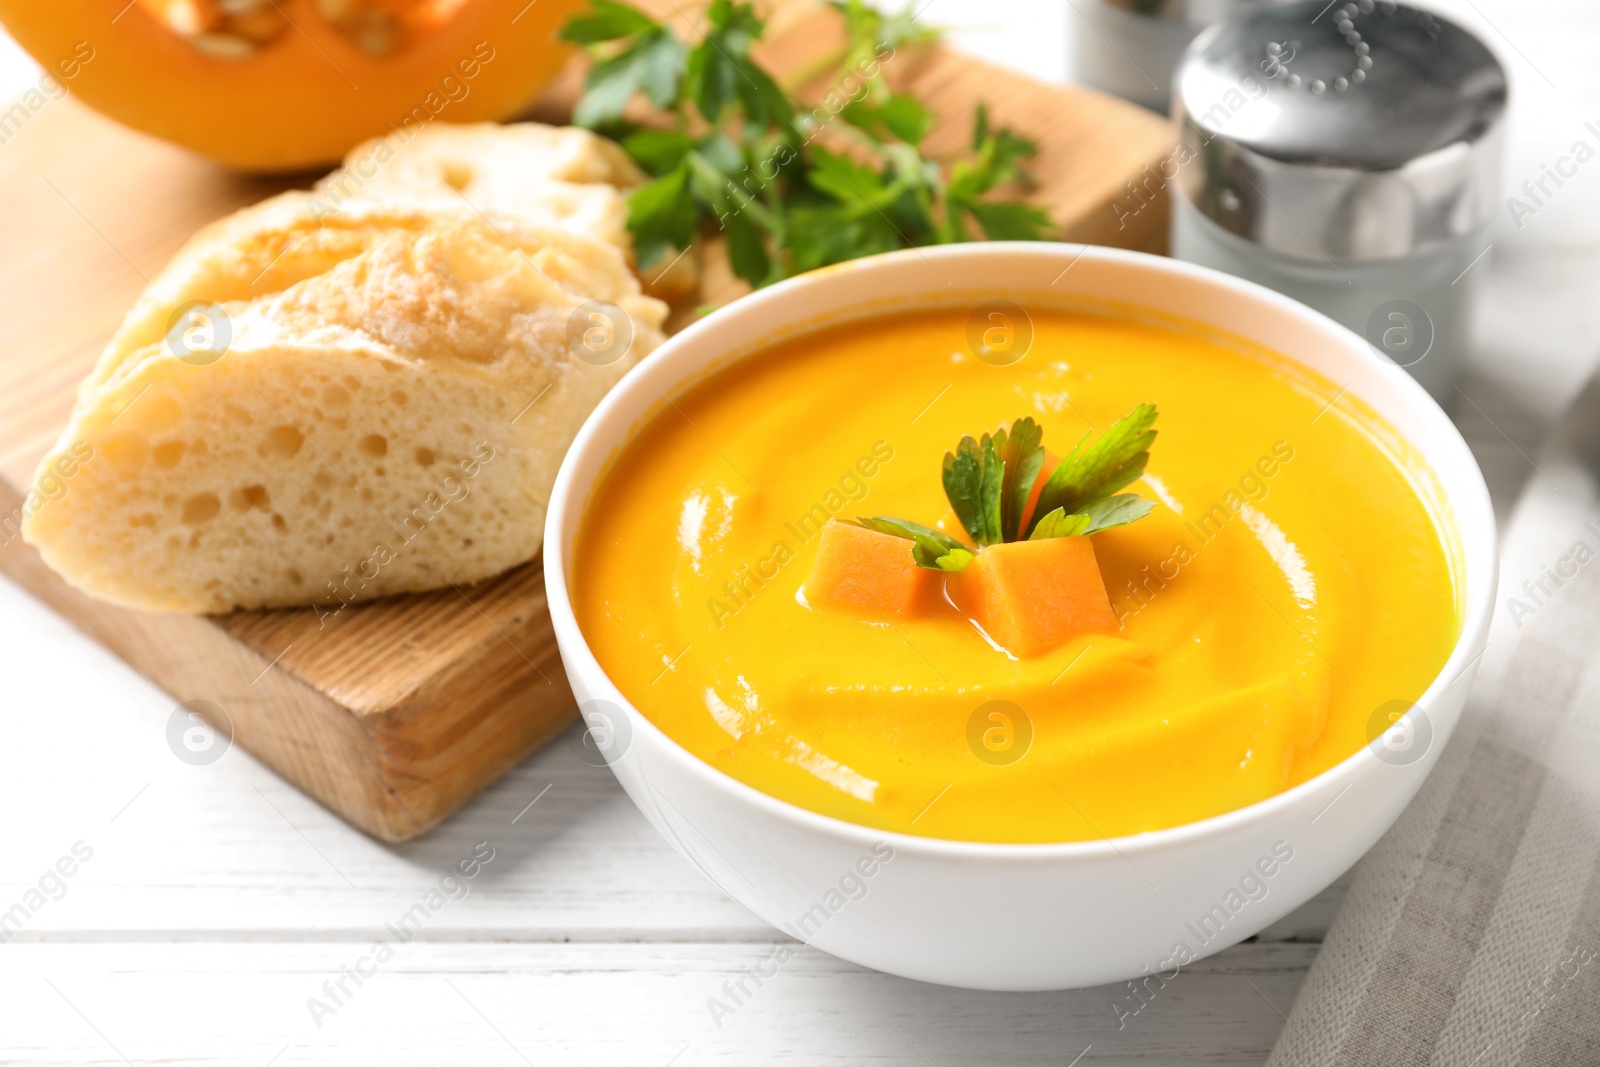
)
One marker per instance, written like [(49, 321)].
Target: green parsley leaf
[(720, 72), (747, 249), (907, 529), (874, 33), (720, 151), (989, 479), (657, 151), (661, 215), (991, 492), (847, 181), (931, 548), (963, 481), (741, 153), (898, 117), (999, 155), (952, 561), (1022, 452), (1007, 220), (1101, 515), (1059, 524), (606, 20), (654, 64), (830, 233), (1094, 471), (1116, 510)]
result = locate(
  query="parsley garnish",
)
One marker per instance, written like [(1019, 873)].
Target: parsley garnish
[(740, 150), (988, 482)]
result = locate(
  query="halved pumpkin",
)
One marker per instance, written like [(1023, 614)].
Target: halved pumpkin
[(277, 85)]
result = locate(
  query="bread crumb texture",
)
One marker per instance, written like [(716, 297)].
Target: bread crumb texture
[(378, 404)]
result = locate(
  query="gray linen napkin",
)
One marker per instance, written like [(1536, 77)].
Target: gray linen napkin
[(1470, 936)]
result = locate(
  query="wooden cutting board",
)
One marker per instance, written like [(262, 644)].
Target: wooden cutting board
[(395, 713)]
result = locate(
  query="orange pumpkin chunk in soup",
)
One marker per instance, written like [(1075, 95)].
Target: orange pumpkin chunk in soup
[(863, 570), (1033, 596)]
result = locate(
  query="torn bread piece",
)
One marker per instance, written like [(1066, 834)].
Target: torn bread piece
[(298, 413), (561, 176)]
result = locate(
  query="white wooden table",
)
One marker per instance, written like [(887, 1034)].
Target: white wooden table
[(219, 907)]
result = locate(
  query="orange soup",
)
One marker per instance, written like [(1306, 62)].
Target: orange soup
[(1290, 580)]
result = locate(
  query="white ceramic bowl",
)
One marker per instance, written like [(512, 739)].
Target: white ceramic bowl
[(1028, 916)]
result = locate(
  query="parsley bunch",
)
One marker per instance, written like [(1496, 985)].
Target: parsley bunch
[(988, 482), (742, 152)]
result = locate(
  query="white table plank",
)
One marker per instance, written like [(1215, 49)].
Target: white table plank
[(600, 1004), (231, 847)]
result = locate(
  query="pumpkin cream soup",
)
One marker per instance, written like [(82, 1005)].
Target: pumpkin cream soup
[(1135, 579)]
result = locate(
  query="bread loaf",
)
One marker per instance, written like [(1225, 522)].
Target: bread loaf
[(324, 410), (561, 176)]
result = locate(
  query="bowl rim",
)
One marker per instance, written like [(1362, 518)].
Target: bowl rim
[(566, 496)]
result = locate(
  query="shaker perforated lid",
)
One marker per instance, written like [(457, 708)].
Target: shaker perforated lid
[(1350, 131)]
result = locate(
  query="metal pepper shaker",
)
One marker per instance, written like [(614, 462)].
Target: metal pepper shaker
[(1347, 155), (1131, 47)]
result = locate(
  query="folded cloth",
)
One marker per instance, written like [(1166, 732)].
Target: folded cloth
[(1470, 936)]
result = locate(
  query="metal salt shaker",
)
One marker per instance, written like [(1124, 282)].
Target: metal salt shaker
[(1349, 156), (1131, 47)]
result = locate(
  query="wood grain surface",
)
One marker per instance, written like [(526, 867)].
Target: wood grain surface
[(394, 713)]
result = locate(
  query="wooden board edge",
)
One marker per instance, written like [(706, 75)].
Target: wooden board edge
[(354, 765), (466, 726)]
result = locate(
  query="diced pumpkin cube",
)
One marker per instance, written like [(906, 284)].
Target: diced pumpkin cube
[(1033, 596), (869, 571)]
